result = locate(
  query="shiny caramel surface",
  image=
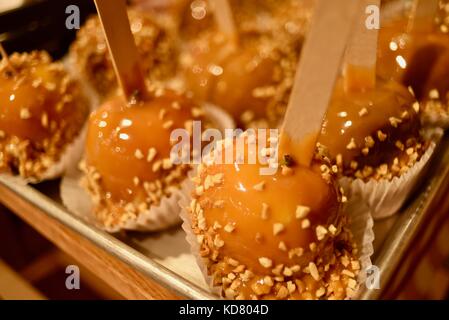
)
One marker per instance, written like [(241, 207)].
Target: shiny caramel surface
[(31, 96), (253, 236), (120, 137), (355, 118)]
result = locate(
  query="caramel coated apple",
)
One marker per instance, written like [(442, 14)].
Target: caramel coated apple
[(127, 164), (231, 77), (42, 110), (278, 236), (373, 133), (91, 58)]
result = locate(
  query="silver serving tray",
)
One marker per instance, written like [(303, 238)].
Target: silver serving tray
[(165, 257)]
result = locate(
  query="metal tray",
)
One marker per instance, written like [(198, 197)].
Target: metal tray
[(165, 257)]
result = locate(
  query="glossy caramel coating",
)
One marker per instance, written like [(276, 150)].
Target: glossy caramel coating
[(42, 110), (270, 237), (412, 58), (155, 44), (365, 131), (127, 162)]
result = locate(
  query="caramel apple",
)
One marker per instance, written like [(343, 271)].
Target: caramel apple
[(229, 77), (42, 110), (251, 79), (372, 133), (91, 57), (127, 163), (278, 236)]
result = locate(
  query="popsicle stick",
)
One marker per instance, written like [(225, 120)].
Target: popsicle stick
[(359, 69), (423, 15), (122, 47), (224, 18), (315, 78), (5, 56)]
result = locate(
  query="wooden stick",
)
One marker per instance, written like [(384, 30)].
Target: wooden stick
[(361, 54), (315, 78), (122, 47), (224, 19), (5, 56), (423, 15)]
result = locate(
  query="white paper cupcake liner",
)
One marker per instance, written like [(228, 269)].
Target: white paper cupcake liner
[(360, 223), (385, 197), (191, 238), (77, 200)]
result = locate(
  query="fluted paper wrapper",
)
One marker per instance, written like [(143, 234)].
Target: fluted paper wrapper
[(361, 226), (385, 197), (156, 218)]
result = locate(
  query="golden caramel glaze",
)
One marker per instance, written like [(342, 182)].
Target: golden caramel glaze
[(363, 132), (279, 236), (411, 58), (128, 147), (42, 110), (155, 44)]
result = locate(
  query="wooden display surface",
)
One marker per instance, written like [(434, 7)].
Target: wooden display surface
[(120, 276)]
